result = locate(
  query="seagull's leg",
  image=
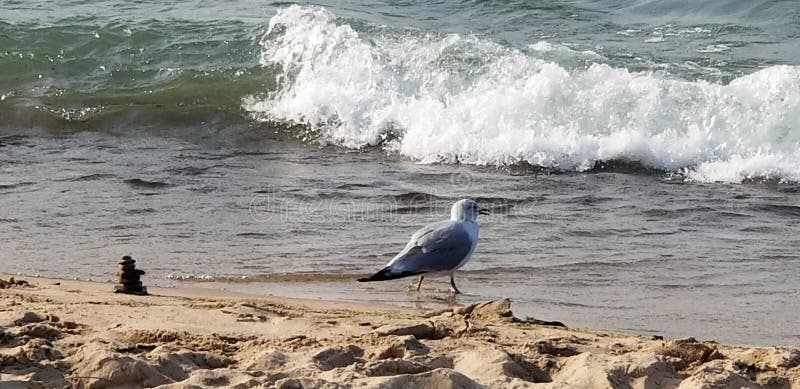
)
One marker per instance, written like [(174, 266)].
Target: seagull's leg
[(453, 285), (419, 284)]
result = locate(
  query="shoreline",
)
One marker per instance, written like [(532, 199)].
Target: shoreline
[(312, 288), (66, 333)]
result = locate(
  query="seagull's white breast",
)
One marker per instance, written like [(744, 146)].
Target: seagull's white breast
[(472, 229)]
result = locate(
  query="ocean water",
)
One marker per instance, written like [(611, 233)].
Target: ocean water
[(641, 159)]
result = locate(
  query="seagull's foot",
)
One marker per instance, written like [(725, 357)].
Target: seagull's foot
[(418, 284), (453, 287)]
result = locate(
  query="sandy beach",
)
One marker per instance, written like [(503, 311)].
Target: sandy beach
[(635, 165), (64, 333)]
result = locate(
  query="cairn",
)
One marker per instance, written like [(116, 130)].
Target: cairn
[(129, 278)]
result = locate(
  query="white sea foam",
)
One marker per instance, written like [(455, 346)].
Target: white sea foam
[(655, 39), (564, 53), (720, 48), (460, 98)]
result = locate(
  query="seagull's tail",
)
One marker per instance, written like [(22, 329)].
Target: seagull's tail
[(387, 274)]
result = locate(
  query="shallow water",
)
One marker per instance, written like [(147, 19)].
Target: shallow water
[(639, 252), (640, 159)]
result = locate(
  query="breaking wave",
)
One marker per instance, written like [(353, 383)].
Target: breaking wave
[(458, 98)]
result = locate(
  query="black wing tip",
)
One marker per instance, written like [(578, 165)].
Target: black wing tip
[(385, 275), (382, 275)]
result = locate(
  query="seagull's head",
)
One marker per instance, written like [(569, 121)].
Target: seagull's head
[(466, 210)]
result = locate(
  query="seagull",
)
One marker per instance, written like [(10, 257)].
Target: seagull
[(439, 248)]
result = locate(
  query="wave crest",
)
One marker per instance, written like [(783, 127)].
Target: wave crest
[(453, 98)]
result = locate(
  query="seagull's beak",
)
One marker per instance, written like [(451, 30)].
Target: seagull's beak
[(483, 212)]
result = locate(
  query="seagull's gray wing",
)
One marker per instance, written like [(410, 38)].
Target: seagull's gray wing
[(437, 247)]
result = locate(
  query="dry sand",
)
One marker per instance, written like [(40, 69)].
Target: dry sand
[(59, 333)]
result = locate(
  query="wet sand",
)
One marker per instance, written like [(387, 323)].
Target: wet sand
[(64, 333)]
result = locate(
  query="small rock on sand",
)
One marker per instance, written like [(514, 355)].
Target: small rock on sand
[(490, 310), (556, 346), (30, 317), (12, 283), (424, 330), (40, 330), (689, 351), (392, 367)]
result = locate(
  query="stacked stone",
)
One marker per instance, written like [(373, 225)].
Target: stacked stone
[(129, 278)]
